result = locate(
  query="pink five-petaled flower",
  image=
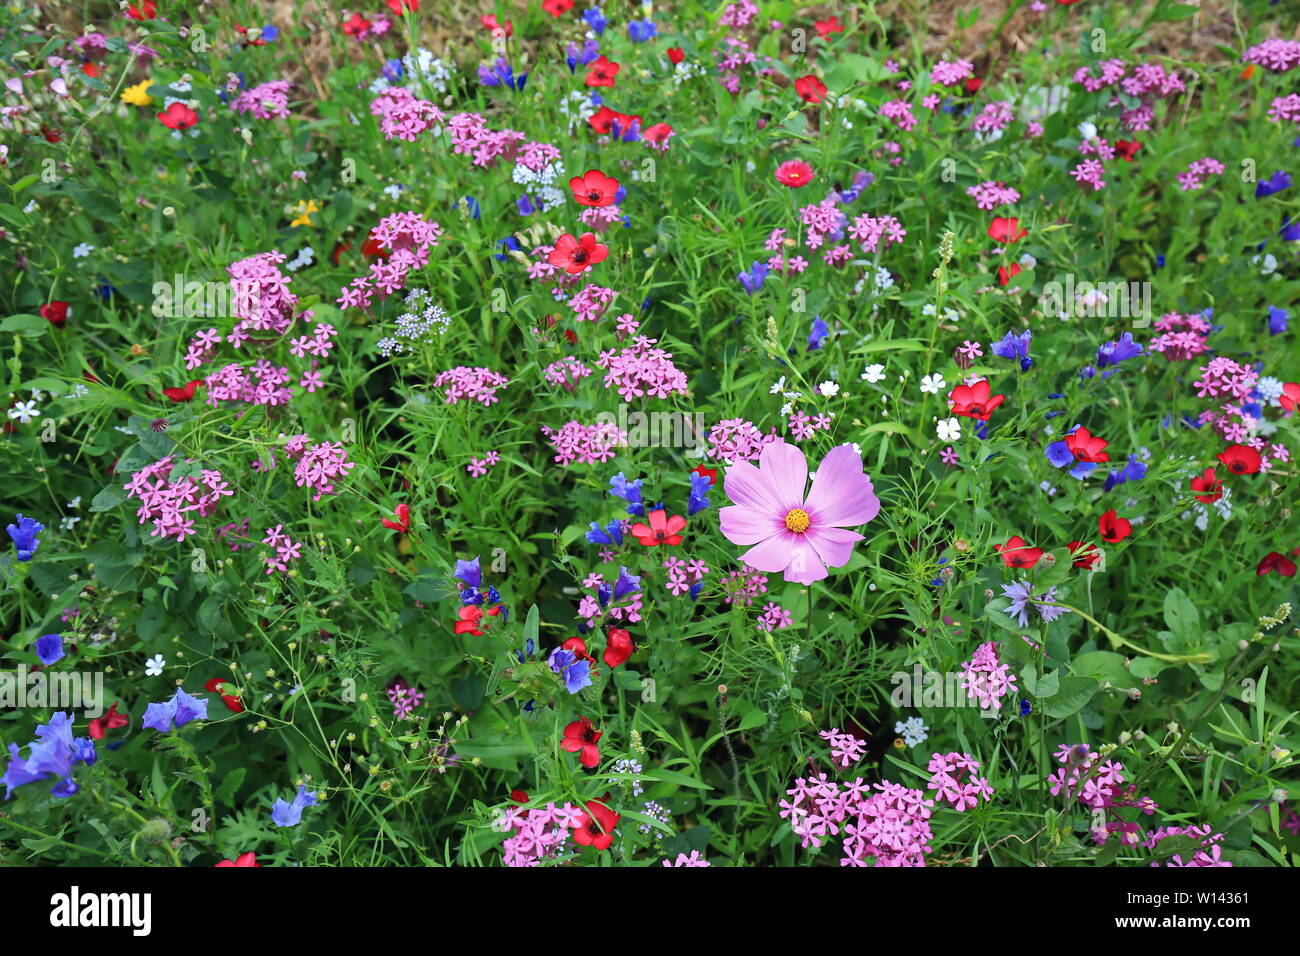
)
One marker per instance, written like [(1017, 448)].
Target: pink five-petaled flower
[(796, 534)]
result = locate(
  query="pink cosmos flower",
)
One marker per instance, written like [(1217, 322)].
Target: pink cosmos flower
[(800, 535)]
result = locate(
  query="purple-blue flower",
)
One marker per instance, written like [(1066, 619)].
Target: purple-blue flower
[(1279, 181), (53, 754), (642, 30), (286, 814), (49, 648), (699, 497), (1112, 353), (1022, 598), (175, 713), (629, 491), (818, 334), (612, 533), (469, 573), (626, 584), (1015, 348), (752, 280), (1277, 320), (23, 532)]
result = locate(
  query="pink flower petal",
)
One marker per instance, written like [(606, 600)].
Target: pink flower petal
[(842, 496), (786, 470), (742, 524), (748, 487), (833, 545)]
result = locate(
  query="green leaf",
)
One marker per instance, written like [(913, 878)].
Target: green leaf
[(1073, 694)]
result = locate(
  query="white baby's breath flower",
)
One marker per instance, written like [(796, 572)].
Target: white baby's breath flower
[(933, 384), (154, 665), (829, 389), (24, 412), (873, 374)]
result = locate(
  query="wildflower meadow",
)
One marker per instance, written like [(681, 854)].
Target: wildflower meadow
[(679, 434)]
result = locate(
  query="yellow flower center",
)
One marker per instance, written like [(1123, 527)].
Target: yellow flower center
[(797, 520)]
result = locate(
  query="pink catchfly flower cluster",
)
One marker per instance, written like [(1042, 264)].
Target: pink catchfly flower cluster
[(877, 232), (408, 237), (640, 368), (173, 503), (889, 824), (470, 136), (743, 587), (1280, 56), (402, 115), (537, 834), (683, 575), (591, 302), (735, 439), (1197, 170), (1084, 777), (265, 101), (475, 384), (951, 72), (954, 779), (285, 549), (774, 618), (320, 464), (478, 467), (986, 679), (1209, 853), (990, 195), (1181, 337), (566, 372), (846, 749), (576, 443)]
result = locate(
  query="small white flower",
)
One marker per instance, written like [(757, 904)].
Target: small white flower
[(1027, 261), (933, 384), (393, 190), (24, 412), (154, 665), (777, 386), (928, 309), (829, 389), (786, 408), (75, 503), (67, 522), (873, 374), (1088, 130), (857, 449), (79, 391), (82, 250), (949, 429)]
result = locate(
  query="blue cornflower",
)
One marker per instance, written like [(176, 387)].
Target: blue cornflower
[(270, 34), (500, 74), (509, 244), (1112, 353), (1277, 320), (1279, 181), (629, 491), (1022, 598), (699, 497), (1015, 347), (49, 648), (175, 713), (576, 57), (23, 533), (1134, 470), (752, 280), (612, 533), (286, 814), (53, 754), (393, 70), (818, 334), (642, 30)]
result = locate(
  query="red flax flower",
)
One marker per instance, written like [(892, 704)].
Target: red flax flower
[(1085, 446), (603, 72), (244, 859), (573, 255), (795, 173), (1114, 528), (232, 701), (183, 393), (357, 26), (602, 121), (657, 134), (1017, 553), (557, 8), (1240, 459), (596, 828), (1007, 273), (661, 529), (579, 648), (973, 401), (1006, 231), (1209, 485), (142, 11), (1084, 555), (1126, 149), (675, 55), (178, 116), (56, 312), (403, 522), (109, 721), (709, 473), (618, 647), (580, 737), (397, 5), (490, 22), (594, 188), (826, 27), (810, 89), (470, 617), (1274, 561), (1290, 396)]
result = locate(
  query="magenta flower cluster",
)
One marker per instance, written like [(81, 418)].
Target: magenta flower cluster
[(954, 779), (474, 384), (986, 679), (890, 825), (172, 503), (639, 368)]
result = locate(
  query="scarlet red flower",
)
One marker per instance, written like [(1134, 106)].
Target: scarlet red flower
[(594, 188), (1066, 3), (580, 737), (183, 393), (244, 859), (675, 55), (372, 247), (810, 89), (469, 615), (1017, 553), (230, 700), (973, 401), (709, 473), (1085, 446), (1209, 485), (106, 722), (1290, 396), (142, 11), (51, 134), (596, 828), (1114, 528), (340, 248), (397, 5), (794, 173), (973, 84), (557, 8), (1126, 149), (571, 336), (661, 530), (357, 26), (603, 72), (579, 648), (90, 69), (826, 27), (519, 796), (618, 647), (602, 121), (1007, 273), (490, 22), (1240, 459), (657, 133), (1274, 561), (403, 522), (1084, 555), (574, 255), (56, 312), (1006, 230), (178, 116)]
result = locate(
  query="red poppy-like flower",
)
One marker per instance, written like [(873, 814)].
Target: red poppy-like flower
[(1209, 485), (1007, 273), (244, 859), (1084, 555), (403, 522), (557, 8), (340, 247), (810, 89), (1017, 553), (603, 72), (519, 796), (1006, 230), (826, 27), (490, 22), (1085, 446), (657, 134), (111, 720), (794, 173), (230, 700), (357, 26), (675, 55), (1240, 459), (1290, 396), (178, 116), (372, 247), (579, 648), (594, 188), (596, 828), (580, 737), (603, 120), (709, 473), (51, 134), (183, 393), (571, 336), (397, 5), (661, 530), (973, 84), (142, 11), (618, 647), (573, 255), (56, 312), (469, 615), (90, 69), (973, 401), (1126, 149), (1275, 561), (1114, 528)]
